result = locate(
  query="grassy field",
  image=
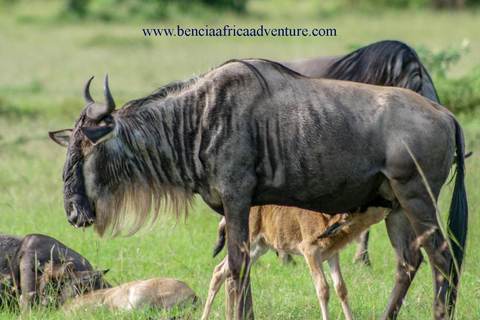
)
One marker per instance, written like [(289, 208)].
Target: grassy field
[(44, 63)]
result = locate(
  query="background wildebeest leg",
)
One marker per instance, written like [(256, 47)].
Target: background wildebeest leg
[(236, 216), (361, 256), (408, 255), (339, 284)]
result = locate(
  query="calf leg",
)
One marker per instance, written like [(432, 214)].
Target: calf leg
[(230, 296), (339, 284), (408, 257), (361, 256), (314, 260), (219, 276)]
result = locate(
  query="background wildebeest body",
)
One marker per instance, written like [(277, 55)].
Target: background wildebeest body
[(26, 257), (253, 133), (386, 63)]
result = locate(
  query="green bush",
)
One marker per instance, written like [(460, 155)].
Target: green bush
[(439, 62), (460, 95), (77, 7)]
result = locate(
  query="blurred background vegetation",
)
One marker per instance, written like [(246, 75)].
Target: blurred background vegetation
[(49, 48)]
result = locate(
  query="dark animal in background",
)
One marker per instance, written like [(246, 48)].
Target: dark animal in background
[(23, 260), (384, 63), (8, 248), (252, 132)]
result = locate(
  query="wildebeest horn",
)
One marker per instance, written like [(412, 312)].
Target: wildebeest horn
[(86, 92), (98, 111), (108, 96)]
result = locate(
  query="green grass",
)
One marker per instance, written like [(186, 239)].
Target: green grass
[(44, 64)]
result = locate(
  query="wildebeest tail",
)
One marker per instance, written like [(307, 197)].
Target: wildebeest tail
[(458, 219), (222, 232)]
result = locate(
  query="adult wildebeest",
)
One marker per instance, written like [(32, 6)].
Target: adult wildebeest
[(315, 236), (23, 259), (252, 132), (385, 63)]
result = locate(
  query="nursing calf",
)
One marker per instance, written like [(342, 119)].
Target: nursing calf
[(316, 236)]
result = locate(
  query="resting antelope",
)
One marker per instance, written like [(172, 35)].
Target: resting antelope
[(296, 231), (160, 293)]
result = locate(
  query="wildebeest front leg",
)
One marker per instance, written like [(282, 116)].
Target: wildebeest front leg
[(408, 257), (236, 216)]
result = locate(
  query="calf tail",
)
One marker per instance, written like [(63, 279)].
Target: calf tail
[(458, 219), (222, 232)]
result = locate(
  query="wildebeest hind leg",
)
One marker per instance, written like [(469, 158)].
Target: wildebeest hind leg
[(421, 213), (408, 257)]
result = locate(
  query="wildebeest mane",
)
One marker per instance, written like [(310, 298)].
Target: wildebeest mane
[(399, 66), (178, 86), (159, 94)]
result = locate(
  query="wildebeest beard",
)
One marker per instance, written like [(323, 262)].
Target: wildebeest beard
[(138, 179)]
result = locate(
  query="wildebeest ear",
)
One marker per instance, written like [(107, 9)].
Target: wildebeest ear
[(339, 222), (97, 134), (103, 272), (62, 137)]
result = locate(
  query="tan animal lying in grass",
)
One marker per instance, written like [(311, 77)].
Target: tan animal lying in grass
[(316, 236), (160, 293)]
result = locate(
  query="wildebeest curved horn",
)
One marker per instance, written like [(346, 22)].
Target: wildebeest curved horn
[(86, 92), (108, 97), (98, 111)]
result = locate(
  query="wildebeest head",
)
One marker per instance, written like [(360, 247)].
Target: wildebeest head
[(94, 125), (61, 281)]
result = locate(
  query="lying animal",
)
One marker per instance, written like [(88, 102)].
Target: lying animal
[(316, 236), (23, 260), (160, 293)]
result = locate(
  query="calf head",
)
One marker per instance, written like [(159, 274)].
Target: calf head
[(335, 224)]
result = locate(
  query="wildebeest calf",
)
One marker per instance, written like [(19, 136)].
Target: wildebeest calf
[(23, 260), (160, 293), (296, 231)]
